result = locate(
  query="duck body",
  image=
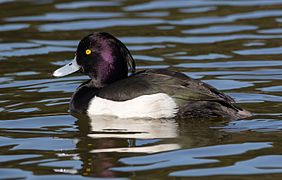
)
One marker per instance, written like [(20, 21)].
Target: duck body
[(158, 93), (152, 93)]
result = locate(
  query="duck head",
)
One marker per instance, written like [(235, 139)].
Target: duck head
[(102, 57)]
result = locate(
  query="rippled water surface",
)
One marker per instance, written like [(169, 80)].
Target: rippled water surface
[(235, 45)]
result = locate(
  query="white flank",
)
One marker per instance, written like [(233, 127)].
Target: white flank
[(158, 105)]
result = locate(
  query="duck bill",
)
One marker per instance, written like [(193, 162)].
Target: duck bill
[(67, 69)]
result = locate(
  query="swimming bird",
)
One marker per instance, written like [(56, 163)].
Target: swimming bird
[(151, 93)]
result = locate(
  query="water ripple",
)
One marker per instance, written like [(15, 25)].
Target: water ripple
[(65, 16), (259, 165), (198, 9), (37, 122), (85, 4), (153, 5), (42, 143), (203, 57), (259, 125), (227, 19), (260, 51), (195, 39), (71, 26), (220, 29), (187, 156), (13, 27), (271, 31), (35, 51), (232, 64)]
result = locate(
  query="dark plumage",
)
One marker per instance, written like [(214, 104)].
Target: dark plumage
[(107, 66)]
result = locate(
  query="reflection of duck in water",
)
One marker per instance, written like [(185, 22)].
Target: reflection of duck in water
[(134, 131), (156, 93), (110, 127), (102, 141)]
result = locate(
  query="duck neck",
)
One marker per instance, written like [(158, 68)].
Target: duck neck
[(107, 74)]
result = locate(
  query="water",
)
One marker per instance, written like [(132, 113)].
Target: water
[(233, 45)]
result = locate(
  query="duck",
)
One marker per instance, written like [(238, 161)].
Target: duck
[(116, 89)]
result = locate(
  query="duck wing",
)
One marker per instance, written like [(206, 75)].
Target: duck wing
[(177, 85), (193, 86)]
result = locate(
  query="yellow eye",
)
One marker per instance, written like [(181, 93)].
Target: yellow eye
[(88, 51)]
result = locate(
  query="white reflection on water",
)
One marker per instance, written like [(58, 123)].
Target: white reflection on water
[(112, 127), (132, 128)]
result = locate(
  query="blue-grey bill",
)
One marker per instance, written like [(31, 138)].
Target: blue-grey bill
[(67, 69)]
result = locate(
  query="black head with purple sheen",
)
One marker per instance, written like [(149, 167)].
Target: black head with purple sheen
[(104, 58)]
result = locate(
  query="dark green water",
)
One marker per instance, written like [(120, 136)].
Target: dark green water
[(234, 45)]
